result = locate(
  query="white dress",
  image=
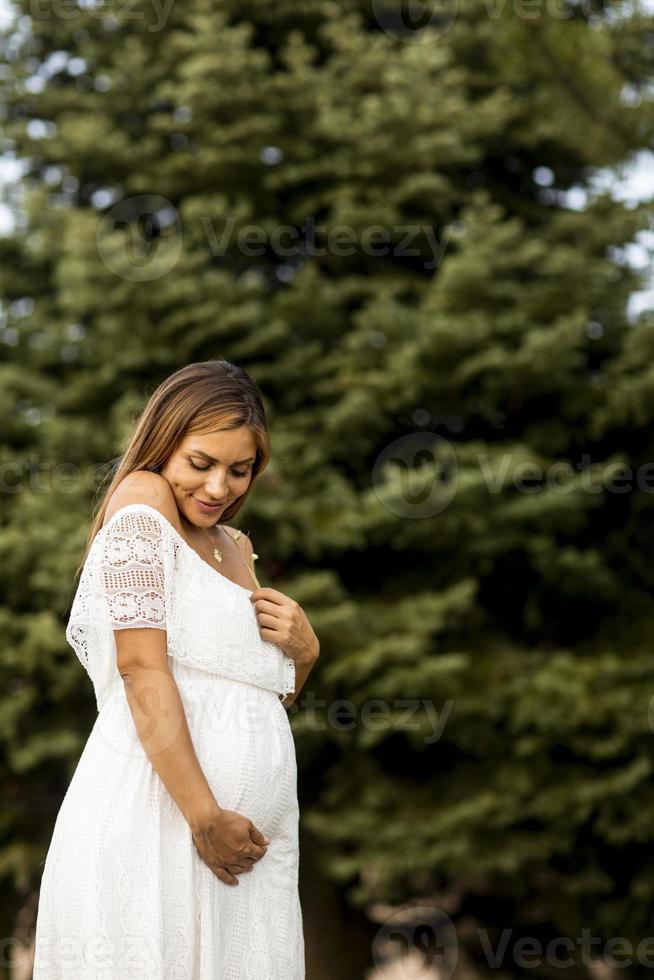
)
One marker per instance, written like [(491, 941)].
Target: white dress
[(124, 892)]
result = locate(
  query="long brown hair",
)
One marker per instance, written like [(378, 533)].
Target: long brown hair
[(200, 397)]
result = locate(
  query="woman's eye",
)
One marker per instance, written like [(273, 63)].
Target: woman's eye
[(203, 469)]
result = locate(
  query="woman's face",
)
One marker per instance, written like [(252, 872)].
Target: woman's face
[(210, 468)]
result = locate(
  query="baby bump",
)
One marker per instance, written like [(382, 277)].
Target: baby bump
[(243, 740)]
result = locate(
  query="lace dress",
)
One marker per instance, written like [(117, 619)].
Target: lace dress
[(124, 892)]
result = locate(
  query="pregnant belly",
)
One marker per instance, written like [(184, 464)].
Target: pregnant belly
[(243, 741)]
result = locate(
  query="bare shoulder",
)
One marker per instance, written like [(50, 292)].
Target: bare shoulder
[(144, 487), (241, 539)]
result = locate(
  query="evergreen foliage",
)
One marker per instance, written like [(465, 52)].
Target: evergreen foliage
[(487, 319)]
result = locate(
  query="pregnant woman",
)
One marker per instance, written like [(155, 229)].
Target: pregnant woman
[(174, 855)]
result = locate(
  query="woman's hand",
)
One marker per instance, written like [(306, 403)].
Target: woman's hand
[(283, 621), (228, 843)]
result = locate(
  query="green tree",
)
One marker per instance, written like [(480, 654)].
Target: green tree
[(374, 219)]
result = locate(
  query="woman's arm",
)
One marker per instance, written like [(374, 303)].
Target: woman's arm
[(302, 671), (227, 841), (150, 688), (160, 720), (305, 652)]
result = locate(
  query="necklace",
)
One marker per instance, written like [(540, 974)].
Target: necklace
[(219, 554)]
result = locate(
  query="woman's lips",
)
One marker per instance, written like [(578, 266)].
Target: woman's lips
[(208, 508)]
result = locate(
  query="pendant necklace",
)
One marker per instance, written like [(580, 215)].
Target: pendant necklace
[(219, 554)]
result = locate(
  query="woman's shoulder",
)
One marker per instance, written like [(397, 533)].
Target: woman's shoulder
[(144, 487)]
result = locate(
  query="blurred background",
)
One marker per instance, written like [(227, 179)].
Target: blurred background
[(425, 229)]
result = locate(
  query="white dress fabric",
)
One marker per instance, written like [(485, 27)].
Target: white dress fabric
[(124, 892)]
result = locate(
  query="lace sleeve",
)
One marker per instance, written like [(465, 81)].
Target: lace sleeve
[(131, 570), (126, 582)]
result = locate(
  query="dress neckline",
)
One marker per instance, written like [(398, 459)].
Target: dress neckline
[(180, 537)]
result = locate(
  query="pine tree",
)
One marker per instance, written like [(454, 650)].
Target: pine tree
[(438, 360)]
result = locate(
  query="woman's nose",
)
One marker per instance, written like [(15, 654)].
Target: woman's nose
[(216, 488)]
